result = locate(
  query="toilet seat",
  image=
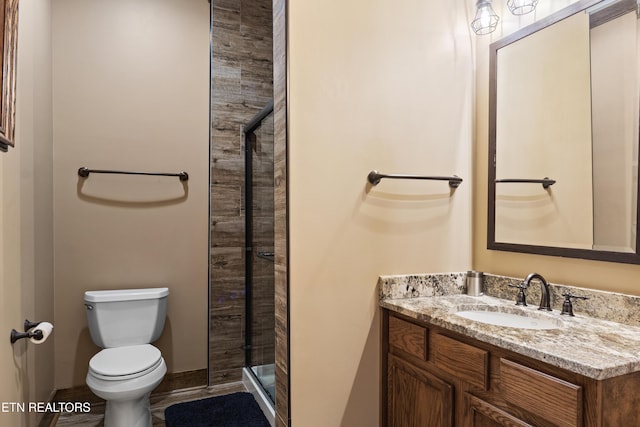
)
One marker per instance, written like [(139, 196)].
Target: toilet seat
[(123, 363)]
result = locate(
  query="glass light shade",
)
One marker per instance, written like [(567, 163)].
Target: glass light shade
[(486, 19), (521, 7)]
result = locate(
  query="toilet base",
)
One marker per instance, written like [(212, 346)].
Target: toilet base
[(127, 401), (130, 413)]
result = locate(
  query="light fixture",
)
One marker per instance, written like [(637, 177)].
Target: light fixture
[(486, 19), (521, 7)]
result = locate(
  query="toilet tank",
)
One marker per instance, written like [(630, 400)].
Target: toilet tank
[(125, 317)]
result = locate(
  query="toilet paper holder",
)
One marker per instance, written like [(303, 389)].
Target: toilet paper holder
[(28, 325)]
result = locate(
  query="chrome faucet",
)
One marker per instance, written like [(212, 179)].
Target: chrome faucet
[(545, 300)]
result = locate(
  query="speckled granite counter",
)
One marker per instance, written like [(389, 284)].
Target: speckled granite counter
[(589, 346)]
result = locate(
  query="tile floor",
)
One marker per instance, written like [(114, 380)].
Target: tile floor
[(158, 405)]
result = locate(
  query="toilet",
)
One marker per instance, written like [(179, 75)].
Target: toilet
[(124, 323)]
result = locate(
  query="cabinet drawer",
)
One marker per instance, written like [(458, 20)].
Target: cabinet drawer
[(464, 361), (484, 414), (551, 398), (408, 337)]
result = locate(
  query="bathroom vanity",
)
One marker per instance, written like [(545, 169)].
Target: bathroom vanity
[(442, 369)]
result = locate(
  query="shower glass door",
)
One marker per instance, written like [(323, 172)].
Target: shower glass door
[(259, 215)]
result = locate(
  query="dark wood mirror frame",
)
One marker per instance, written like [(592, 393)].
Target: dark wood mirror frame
[(9, 43), (620, 257)]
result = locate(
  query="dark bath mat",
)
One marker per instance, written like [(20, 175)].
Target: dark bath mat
[(231, 410)]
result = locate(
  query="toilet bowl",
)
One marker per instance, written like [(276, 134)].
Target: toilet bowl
[(126, 386), (128, 368)]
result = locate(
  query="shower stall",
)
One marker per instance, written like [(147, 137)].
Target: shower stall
[(241, 284), (259, 253)]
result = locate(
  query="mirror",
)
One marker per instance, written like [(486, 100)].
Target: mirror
[(9, 43), (563, 134)]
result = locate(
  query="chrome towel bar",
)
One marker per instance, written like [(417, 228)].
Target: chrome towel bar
[(374, 178), (84, 172)]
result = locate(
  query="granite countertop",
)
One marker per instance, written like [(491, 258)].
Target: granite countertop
[(588, 346)]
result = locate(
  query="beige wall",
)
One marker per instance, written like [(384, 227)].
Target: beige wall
[(544, 124), (373, 85), (614, 54), (26, 230), (591, 274), (131, 92)]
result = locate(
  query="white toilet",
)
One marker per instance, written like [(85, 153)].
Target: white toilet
[(123, 323)]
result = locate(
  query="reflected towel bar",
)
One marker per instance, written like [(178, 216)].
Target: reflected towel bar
[(84, 172), (546, 182), (374, 178)]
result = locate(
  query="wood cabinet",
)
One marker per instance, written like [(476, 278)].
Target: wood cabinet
[(435, 377), (418, 398), (483, 414)]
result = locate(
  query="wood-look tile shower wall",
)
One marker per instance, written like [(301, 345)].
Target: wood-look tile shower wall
[(281, 219), (242, 84)]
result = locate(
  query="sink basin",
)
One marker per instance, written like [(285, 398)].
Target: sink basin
[(511, 319)]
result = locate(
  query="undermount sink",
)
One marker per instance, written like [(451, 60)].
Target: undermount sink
[(511, 319)]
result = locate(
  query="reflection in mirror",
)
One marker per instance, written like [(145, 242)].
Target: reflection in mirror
[(614, 126), (564, 104)]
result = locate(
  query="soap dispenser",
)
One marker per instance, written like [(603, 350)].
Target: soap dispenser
[(474, 283)]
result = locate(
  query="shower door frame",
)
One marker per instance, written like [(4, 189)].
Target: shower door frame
[(249, 128)]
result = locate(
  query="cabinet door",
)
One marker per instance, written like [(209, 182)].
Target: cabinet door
[(417, 398), (484, 414)]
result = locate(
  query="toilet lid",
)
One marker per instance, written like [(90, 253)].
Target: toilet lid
[(121, 361)]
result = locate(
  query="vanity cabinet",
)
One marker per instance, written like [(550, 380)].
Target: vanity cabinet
[(433, 377), (416, 397)]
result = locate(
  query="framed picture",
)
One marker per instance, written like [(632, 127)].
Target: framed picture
[(9, 43)]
